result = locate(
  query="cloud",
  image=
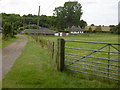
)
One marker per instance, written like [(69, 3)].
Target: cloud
[(94, 11), (90, 3)]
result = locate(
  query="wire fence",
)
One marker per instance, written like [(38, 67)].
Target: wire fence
[(45, 43), (98, 59)]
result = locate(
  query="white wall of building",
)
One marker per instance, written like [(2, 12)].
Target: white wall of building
[(56, 34), (77, 32)]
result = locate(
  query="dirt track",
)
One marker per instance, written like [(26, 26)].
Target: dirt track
[(11, 52)]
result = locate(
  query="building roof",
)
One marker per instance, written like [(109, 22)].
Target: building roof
[(40, 31), (75, 29)]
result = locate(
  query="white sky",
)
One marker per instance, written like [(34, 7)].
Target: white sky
[(98, 12)]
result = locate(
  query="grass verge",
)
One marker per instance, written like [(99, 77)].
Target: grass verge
[(7, 42), (35, 69)]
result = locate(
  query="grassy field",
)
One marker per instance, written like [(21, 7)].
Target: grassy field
[(105, 28), (35, 68)]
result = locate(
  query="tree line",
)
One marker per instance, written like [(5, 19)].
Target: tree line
[(63, 18)]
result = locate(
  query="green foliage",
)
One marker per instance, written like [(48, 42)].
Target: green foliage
[(14, 19), (92, 25), (69, 15), (90, 29), (115, 29), (64, 17), (83, 24), (8, 30), (118, 28)]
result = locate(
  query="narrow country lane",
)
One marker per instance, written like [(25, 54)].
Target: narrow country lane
[(10, 53)]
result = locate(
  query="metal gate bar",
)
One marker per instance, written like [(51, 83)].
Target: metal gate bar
[(91, 65), (92, 61), (94, 74), (94, 70), (88, 56), (90, 50), (92, 57)]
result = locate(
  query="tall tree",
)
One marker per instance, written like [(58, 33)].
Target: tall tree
[(68, 15)]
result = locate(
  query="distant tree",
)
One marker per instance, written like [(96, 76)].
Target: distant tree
[(14, 19), (115, 29), (90, 29), (92, 25), (119, 28), (68, 15), (83, 24), (112, 26)]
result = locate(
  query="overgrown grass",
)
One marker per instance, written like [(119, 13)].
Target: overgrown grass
[(7, 42), (35, 69)]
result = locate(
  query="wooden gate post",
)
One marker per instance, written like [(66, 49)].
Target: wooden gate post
[(60, 54)]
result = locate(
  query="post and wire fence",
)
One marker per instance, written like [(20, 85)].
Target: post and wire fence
[(45, 43), (72, 58)]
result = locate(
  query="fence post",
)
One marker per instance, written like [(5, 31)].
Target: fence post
[(52, 50), (108, 58), (60, 54)]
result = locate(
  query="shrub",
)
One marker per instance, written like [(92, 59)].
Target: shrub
[(90, 29), (8, 31)]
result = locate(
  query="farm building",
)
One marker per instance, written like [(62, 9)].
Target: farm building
[(41, 31), (61, 34), (75, 30)]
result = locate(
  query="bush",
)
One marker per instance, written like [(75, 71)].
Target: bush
[(8, 31), (90, 29), (115, 29)]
